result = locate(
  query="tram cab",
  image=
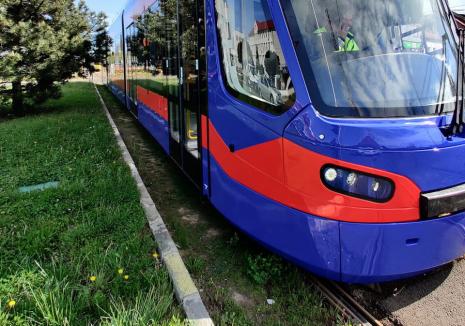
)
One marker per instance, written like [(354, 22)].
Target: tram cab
[(392, 104)]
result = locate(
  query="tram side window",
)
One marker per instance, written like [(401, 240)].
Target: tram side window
[(155, 29), (254, 67), (130, 63), (151, 28), (115, 60)]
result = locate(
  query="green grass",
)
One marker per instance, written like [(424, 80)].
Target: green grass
[(54, 242)]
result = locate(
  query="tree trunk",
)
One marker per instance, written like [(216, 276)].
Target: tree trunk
[(18, 100)]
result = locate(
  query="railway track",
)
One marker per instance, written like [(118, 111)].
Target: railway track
[(346, 304)]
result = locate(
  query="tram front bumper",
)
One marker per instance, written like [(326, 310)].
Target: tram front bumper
[(372, 253)]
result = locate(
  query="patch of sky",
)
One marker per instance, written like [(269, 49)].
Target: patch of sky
[(247, 12)]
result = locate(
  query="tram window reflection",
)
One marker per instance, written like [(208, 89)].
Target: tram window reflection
[(253, 60)]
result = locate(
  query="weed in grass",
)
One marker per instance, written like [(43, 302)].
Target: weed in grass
[(176, 321), (264, 268), (195, 265), (144, 309), (232, 318), (11, 304), (8, 318), (53, 302)]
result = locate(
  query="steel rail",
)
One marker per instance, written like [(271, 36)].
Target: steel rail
[(344, 302)]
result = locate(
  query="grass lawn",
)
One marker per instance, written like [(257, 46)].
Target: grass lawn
[(81, 253)]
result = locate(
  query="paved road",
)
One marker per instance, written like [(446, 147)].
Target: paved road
[(437, 299)]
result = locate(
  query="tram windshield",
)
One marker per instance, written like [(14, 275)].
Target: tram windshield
[(365, 58)]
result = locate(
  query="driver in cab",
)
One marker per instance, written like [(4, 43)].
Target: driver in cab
[(342, 37)]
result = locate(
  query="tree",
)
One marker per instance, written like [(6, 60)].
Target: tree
[(102, 41), (148, 43), (43, 43), (137, 43)]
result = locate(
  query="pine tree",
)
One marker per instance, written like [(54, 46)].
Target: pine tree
[(43, 43), (102, 41)]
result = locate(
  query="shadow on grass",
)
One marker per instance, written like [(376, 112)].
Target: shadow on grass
[(48, 107)]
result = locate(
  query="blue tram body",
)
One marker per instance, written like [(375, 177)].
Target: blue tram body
[(334, 159)]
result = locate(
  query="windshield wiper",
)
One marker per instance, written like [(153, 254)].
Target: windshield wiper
[(444, 73), (458, 119), (442, 87)]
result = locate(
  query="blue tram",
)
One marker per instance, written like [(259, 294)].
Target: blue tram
[(329, 131)]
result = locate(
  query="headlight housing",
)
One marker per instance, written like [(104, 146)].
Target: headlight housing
[(357, 184)]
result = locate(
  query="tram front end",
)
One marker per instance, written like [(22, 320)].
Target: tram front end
[(380, 149)]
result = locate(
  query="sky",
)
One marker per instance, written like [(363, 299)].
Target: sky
[(111, 7)]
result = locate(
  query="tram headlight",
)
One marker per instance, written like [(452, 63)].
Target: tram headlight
[(357, 184)]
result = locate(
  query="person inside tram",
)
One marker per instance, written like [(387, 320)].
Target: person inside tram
[(341, 36), (346, 39)]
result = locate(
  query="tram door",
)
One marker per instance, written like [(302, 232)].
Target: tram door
[(191, 88), (172, 80)]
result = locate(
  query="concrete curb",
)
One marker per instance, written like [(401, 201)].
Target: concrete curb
[(185, 289)]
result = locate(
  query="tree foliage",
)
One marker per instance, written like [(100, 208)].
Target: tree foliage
[(43, 43), (151, 30), (102, 42)]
